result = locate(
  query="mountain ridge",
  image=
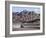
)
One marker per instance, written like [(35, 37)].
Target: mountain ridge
[(24, 12)]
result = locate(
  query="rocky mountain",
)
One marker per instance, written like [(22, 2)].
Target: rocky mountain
[(23, 12), (25, 16)]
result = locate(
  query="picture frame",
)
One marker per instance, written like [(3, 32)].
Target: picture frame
[(24, 26)]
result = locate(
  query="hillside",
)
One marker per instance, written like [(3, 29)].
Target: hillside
[(25, 16)]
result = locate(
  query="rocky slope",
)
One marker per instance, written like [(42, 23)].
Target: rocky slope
[(26, 17)]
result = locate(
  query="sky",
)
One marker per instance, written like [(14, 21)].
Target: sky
[(19, 9)]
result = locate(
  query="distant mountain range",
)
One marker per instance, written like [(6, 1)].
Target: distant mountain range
[(24, 12)]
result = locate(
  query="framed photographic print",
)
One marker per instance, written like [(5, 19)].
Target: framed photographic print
[(24, 18)]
